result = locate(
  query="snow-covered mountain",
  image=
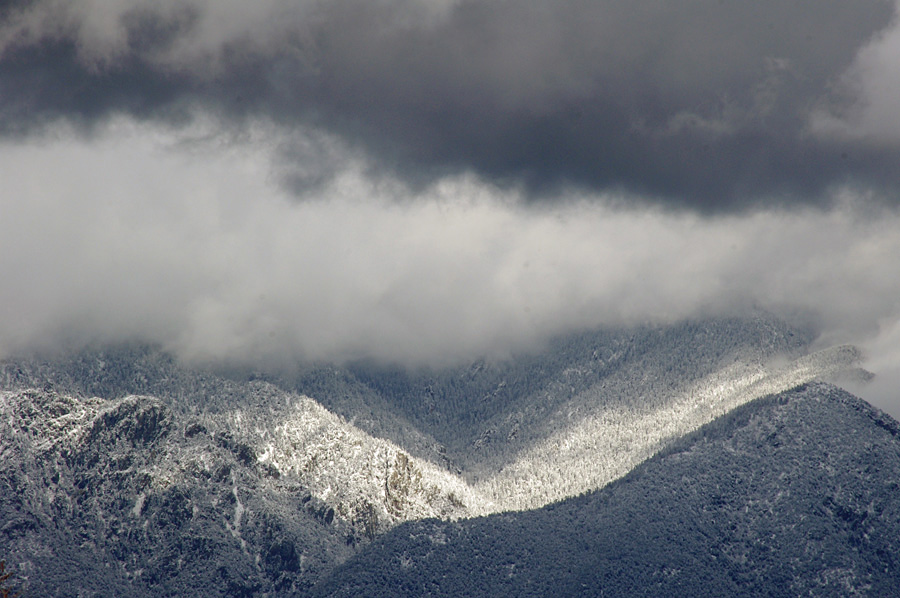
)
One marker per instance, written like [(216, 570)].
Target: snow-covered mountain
[(146, 475), (791, 495)]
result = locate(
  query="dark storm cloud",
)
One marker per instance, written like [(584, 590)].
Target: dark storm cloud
[(700, 103)]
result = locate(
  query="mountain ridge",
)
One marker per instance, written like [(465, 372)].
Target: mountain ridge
[(758, 503), (286, 488)]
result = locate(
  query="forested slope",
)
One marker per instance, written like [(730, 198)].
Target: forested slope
[(124, 468), (795, 494)]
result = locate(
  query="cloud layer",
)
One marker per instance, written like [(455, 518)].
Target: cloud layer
[(270, 181), (716, 106), (181, 237)]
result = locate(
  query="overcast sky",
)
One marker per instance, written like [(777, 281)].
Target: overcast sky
[(425, 181)]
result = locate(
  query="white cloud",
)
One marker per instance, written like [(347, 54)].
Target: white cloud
[(184, 238), (872, 84), (883, 358)]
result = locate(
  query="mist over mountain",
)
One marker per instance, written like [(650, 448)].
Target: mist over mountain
[(279, 278), (463, 179), (146, 476)]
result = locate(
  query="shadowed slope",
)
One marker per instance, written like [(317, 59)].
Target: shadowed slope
[(789, 495)]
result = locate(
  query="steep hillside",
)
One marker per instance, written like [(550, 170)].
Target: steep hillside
[(521, 433), (596, 441), (122, 498), (127, 497), (157, 477), (790, 495), (489, 410)]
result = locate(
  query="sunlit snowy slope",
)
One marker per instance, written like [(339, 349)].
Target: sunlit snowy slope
[(122, 456)]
